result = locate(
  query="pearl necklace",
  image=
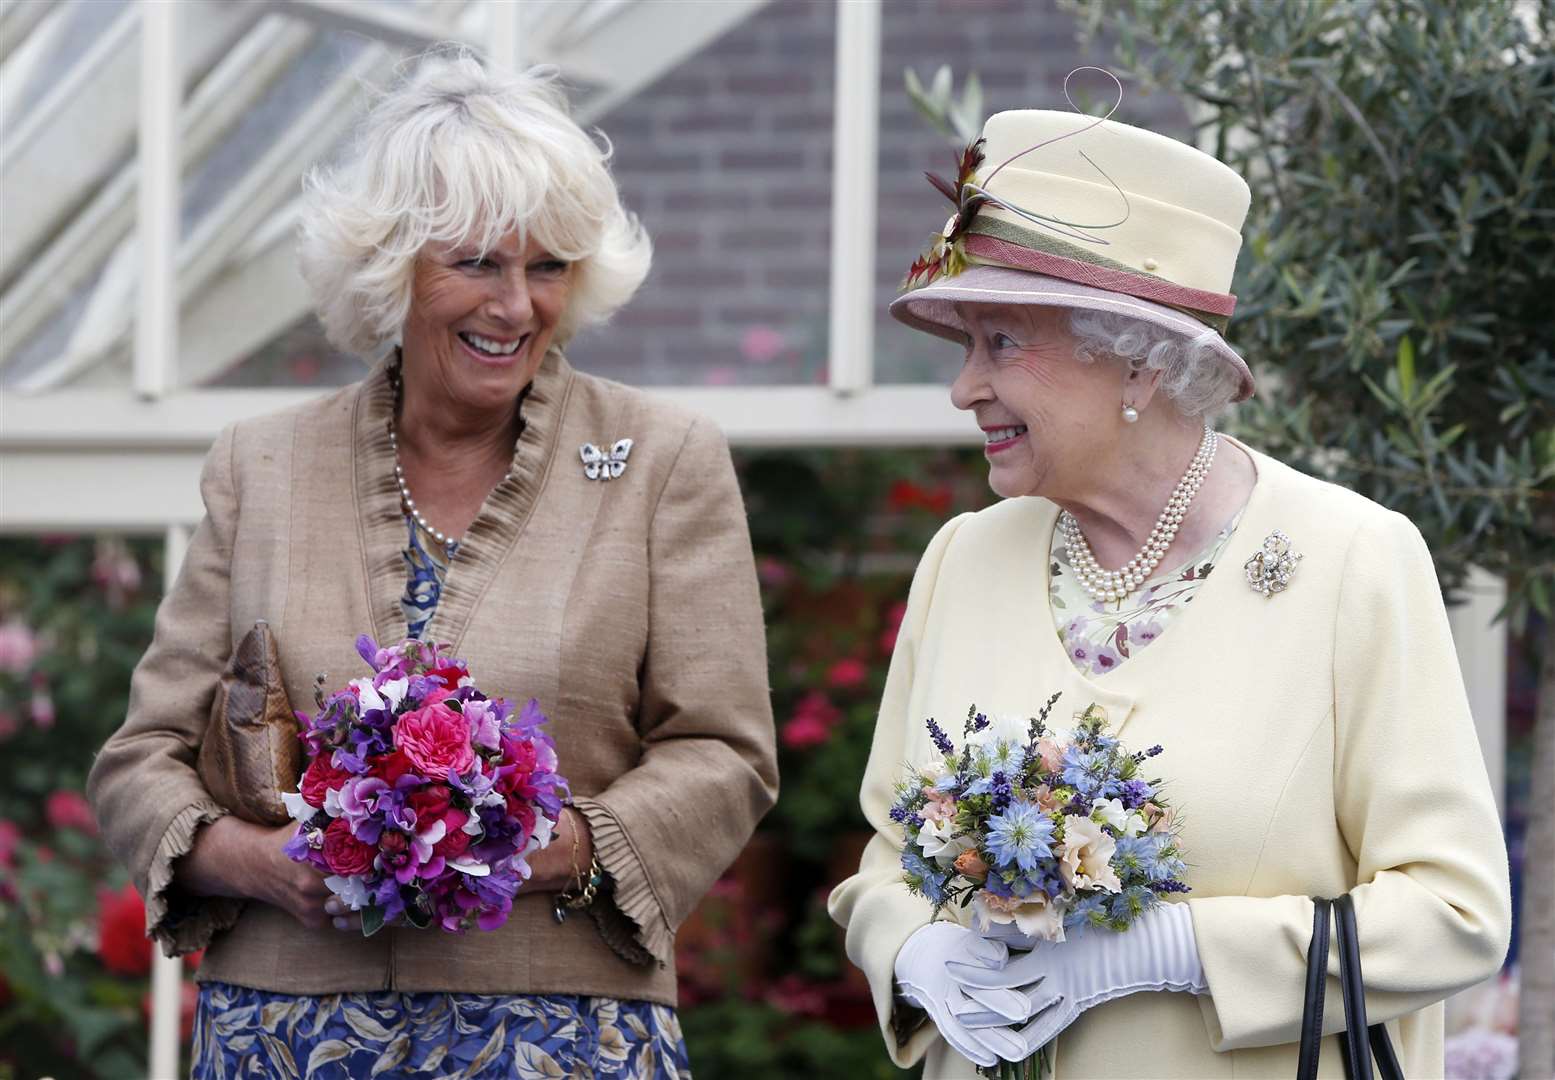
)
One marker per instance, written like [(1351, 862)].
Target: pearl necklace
[(450, 543), (1113, 585)]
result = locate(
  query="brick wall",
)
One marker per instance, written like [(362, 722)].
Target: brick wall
[(727, 160)]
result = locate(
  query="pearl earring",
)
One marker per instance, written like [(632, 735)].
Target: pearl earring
[(1130, 414)]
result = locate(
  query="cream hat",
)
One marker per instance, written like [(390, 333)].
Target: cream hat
[(1057, 208)]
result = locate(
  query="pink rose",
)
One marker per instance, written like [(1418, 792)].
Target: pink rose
[(847, 673), (805, 731), (69, 810), (434, 739)]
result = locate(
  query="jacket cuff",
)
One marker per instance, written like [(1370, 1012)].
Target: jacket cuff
[(179, 921), (632, 922)]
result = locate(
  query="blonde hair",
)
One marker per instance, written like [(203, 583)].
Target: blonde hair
[(459, 153)]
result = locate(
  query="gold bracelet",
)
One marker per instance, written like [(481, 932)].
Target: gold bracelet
[(566, 902), (582, 895)]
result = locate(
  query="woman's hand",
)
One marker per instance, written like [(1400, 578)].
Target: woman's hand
[(231, 857), (553, 868), (1057, 981), (923, 975)]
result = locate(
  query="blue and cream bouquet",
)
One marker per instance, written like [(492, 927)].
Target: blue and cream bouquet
[(1035, 832)]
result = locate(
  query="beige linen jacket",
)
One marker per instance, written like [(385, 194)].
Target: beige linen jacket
[(1316, 742), (628, 608)]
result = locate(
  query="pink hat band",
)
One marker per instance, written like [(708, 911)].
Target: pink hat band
[(1214, 309)]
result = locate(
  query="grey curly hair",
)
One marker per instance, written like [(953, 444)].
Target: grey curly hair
[(1194, 377)]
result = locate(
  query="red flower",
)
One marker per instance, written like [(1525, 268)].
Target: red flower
[(121, 933), (320, 778), (430, 803), (390, 767), (450, 674), (847, 673), (518, 765), (906, 495), (455, 840), (344, 853), (524, 812)]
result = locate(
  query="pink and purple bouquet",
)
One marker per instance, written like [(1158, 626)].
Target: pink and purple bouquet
[(423, 797), (1041, 834)]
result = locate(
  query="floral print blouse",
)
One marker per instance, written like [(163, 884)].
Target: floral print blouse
[(426, 568), (1101, 635)]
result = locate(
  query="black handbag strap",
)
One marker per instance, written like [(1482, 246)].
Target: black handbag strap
[(1361, 1042), (1317, 985)]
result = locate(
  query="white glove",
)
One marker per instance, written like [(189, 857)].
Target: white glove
[(1060, 980), (922, 976)]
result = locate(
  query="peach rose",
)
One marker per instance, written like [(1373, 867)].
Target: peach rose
[(970, 864)]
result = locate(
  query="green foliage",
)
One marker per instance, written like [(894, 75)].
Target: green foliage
[(75, 615), (1394, 293), (837, 534), (958, 117)]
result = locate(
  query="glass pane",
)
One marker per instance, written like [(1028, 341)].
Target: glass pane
[(1021, 50), (727, 161), (79, 24)]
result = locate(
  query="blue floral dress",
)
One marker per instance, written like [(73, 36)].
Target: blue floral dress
[(244, 1033), (1099, 636)]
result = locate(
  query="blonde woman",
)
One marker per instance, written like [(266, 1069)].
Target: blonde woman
[(451, 495)]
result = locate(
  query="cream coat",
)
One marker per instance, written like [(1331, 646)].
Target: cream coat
[(1316, 742)]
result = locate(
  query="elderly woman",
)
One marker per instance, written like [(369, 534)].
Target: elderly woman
[(1282, 638), (474, 230)]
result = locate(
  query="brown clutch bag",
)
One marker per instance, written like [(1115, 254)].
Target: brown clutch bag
[(251, 752)]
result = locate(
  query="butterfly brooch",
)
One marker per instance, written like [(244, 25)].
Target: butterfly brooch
[(605, 464)]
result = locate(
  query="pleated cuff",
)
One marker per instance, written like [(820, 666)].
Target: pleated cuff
[(631, 919), (177, 920)]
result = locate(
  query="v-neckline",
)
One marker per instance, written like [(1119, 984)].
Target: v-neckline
[(1118, 691), (491, 535)]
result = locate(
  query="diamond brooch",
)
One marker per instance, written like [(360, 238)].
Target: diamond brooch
[(1270, 569), (605, 464)]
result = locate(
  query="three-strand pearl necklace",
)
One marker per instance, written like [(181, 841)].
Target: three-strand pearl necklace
[(1110, 586)]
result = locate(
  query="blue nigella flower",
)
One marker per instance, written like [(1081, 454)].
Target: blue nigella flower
[(1087, 910), (1023, 834), (1129, 904), (1087, 773), (933, 882), (1137, 855)]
